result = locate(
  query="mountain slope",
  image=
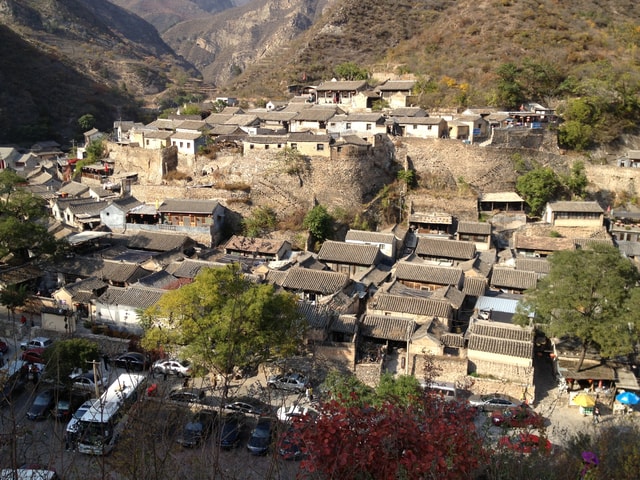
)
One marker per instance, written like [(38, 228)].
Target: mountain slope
[(223, 45), (458, 42), (75, 48), (163, 14)]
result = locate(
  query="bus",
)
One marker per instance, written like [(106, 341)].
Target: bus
[(102, 423)]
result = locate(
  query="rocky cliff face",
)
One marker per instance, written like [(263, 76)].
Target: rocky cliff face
[(224, 45)]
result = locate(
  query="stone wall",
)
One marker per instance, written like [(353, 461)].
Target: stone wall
[(510, 373), (613, 179), (150, 165), (447, 368), (337, 355), (369, 373)]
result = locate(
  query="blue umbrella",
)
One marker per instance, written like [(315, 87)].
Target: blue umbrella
[(628, 398)]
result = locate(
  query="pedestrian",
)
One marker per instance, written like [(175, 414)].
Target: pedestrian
[(596, 415), (106, 360)]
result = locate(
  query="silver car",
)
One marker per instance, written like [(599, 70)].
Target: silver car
[(294, 382)]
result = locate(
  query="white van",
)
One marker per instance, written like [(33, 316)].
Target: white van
[(447, 390)]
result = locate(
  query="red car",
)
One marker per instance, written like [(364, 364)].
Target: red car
[(4, 348), (34, 355), (517, 417)]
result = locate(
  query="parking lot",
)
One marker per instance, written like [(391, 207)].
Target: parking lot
[(148, 447)]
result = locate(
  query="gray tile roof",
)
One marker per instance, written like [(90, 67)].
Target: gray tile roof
[(511, 278), (474, 286), (370, 237), (134, 296), (126, 203), (396, 85), (89, 285), (578, 207), (348, 253), (501, 197), (279, 116), (507, 340), (451, 294), (88, 207), (335, 86), (156, 241), (302, 137), (267, 139), (188, 206), (315, 281), (318, 317), (276, 277), (474, 228), (352, 140), (417, 272), (629, 249), (315, 115), (418, 120), (538, 265), (73, 189), (345, 324), (408, 112), (121, 272), (161, 279), (384, 327), (453, 249), (455, 340), (412, 305), (189, 268)]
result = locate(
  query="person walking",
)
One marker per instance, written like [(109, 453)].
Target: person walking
[(596, 415)]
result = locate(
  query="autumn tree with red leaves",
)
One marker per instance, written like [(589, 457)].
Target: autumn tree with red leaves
[(426, 439)]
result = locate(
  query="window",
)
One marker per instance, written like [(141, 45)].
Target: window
[(348, 126), (266, 147), (368, 126), (251, 146), (147, 142), (181, 144), (429, 127), (415, 127), (320, 147), (294, 146), (173, 142), (188, 144)]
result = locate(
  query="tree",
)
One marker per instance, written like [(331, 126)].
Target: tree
[(429, 439), (66, 356), (86, 122), (96, 150), (577, 181), (351, 71), (13, 297), (590, 295), (401, 390), (538, 186), (509, 92), (262, 221), (223, 321), (319, 223), (23, 233)]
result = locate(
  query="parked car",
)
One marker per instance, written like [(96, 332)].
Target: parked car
[(249, 405), (288, 445), (260, 438), (496, 401), (294, 382), (72, 426), (286, 414), (67, 403), (230, 429), (87, 381), (37, 342), (132, 361), (197, 429), (43, 403), (4, 347), (517, 417), (33, 355), (187, 395), (15, 375), (181, 368)]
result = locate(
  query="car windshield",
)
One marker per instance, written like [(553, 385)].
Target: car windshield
[(193, 427), (42, 399), (80, 413), (63, 404), (261, 432)]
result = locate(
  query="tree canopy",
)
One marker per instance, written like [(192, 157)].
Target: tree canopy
[(590, 295), (319, 223), (23, 233), (223, 320), (66, 356), (262, 221), (538, 186)]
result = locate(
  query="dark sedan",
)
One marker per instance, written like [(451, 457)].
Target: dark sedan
[(42, 404), (261, 437), (230, 429), (132, 361), (198, 429), (249, 405)]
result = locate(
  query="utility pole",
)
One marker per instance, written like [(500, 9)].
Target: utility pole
[(95, 364)]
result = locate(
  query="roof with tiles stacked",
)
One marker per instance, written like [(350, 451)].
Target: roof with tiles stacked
[(134, 296), (512, 278), (474, 228), (474, 286), (348, 253), (424, 273), (156, 241), (316, 281), (370, 237), (454, 249), (411, 305), (239, 243), (387, 328), (173, 205)]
